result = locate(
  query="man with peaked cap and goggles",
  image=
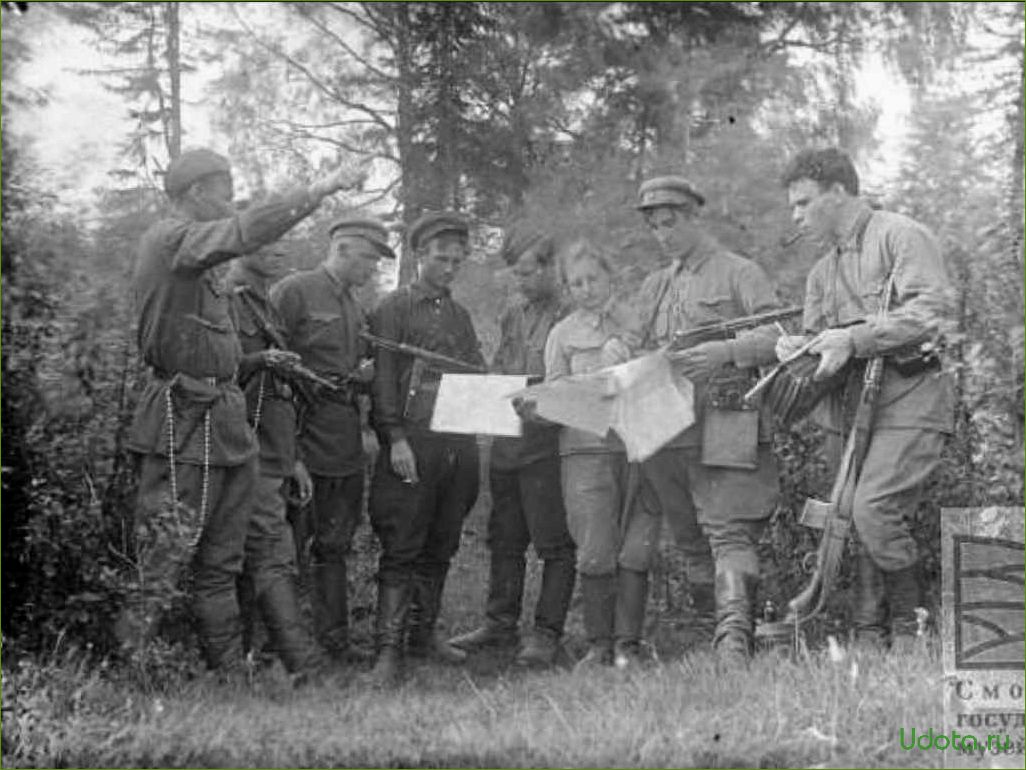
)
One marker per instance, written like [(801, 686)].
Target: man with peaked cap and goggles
[(190, 423), (322, 322), (717, 480), (425, 483)]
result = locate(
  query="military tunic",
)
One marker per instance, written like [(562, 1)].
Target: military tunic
[(270, 565), (322, 323), (914, 412), (727, 505), (419, 524), (192, 410)]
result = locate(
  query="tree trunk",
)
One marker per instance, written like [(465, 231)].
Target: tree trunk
[(404, 126), (174, 129)]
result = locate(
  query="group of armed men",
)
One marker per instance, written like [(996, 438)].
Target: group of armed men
[(225, 424)]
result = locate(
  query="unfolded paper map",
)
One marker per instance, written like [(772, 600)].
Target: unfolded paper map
[(477, 403), (642, 400)]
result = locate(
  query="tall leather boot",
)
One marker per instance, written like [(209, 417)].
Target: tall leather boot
[(290, 637), (869, 613), (599, 594), (423, 638), (735, 621), (390, 628), (502, 612), (542, 646), (220, 634), (331, 611), (631, 600), (905, 598), (703, 605)]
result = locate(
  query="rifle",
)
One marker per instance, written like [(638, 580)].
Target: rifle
[(304, 379), (724, 330), (836, 514)]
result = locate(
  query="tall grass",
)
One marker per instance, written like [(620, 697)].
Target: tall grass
[(817, 711)]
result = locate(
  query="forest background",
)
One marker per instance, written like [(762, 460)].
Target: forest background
[(551, 112)]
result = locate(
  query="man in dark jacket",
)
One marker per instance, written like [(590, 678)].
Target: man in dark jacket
[(425, 483)]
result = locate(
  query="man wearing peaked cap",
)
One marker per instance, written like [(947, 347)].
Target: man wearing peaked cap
[(190, 423), (434, 223), (322, 320), (717, 480), (668, 191), (425, 483)]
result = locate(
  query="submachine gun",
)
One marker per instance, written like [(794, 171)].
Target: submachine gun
[(306, 381), (422, 359), (725, 330)]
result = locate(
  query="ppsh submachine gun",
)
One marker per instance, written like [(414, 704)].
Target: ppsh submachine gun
[(725, 330), (833, 517), (423, 359), (307, 383)]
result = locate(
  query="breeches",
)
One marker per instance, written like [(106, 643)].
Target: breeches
[(897, 465), (336, 511), (419, 525), (595, 487)]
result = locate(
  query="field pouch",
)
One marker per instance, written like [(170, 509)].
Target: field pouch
[(730, 438)]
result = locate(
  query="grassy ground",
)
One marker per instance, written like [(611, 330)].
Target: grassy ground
[(818, 711)]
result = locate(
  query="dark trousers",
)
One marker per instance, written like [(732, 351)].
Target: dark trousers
[(212, 546), (419, 525), (336, 510), (527, 507)]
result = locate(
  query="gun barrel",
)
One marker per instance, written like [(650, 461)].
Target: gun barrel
[(735, 325), (427, 356)]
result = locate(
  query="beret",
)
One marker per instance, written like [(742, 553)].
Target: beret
[(434, 222), (668, 191), (190, 167), (362, 227)]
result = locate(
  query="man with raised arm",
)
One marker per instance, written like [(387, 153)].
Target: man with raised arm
[(198, 453)]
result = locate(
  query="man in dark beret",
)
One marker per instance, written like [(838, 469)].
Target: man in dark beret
[(425, 483), (524, 475), (717, 480), (322, 320), (198, 454)]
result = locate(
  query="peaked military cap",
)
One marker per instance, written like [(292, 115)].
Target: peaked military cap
[(434, 223), (190, 167), (668, 191), (362, 227)]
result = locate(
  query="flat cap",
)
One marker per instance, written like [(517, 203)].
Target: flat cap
[(190, 167), (434, 223), (362, 227), (668, 191)]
